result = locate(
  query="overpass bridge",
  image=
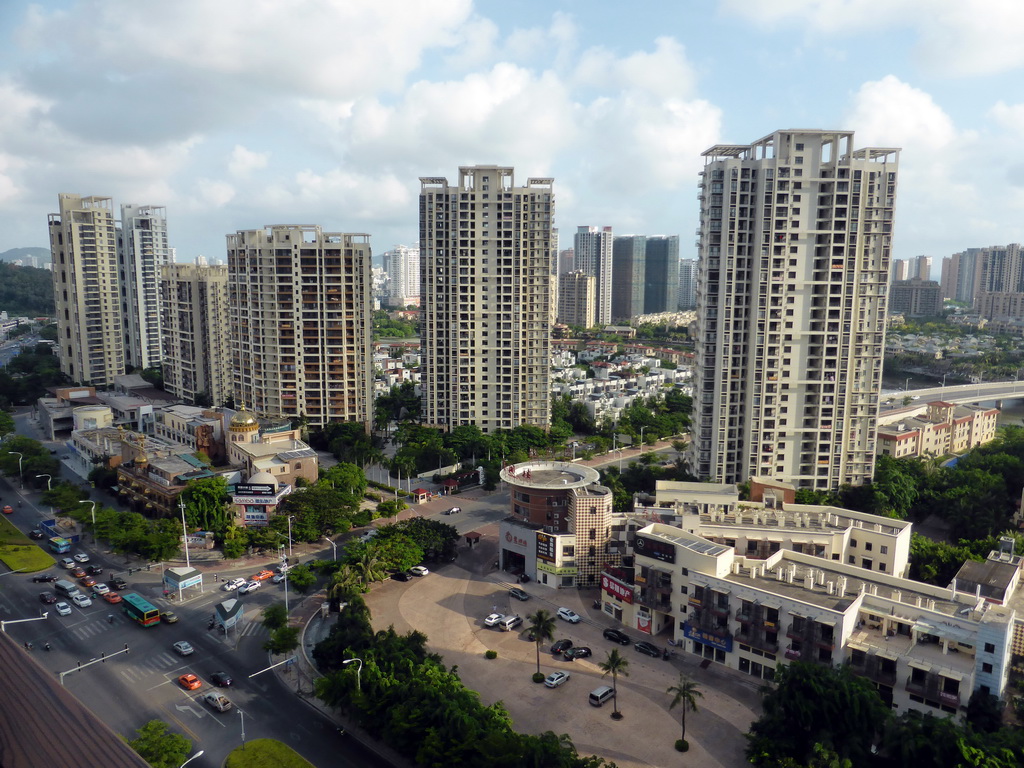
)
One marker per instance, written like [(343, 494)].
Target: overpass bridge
[(961, 394)]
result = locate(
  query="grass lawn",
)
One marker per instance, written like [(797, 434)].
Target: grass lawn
[(266, 753), (19, 552)]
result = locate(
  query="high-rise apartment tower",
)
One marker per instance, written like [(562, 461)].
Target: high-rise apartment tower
[(592, 253), (795, 248), (687, 283), (661, 274), (629, 254), (197, 332), (576, 294), (402, 264), (86, 290), (485, 252), (301, 315), (142, 253)]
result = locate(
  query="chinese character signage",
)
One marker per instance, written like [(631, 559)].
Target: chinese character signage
[(659, 550), (616, 588), (722, 642), (515, 540), (248, 489), (546, 546)]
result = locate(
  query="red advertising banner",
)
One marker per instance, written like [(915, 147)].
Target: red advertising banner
[(616, 588)]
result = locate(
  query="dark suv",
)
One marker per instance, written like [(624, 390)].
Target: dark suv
[(44, 578), (93, 570), (579, 652), (649, 649), (617, 636), (118, 583)]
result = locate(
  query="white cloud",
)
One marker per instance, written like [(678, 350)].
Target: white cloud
[(889, 112), (244, 161), (214, 193), (959, 37), (664, 72)]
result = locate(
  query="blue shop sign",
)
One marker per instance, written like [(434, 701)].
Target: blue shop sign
[(722, 642)]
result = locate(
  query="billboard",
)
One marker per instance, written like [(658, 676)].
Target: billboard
[(655, 548)]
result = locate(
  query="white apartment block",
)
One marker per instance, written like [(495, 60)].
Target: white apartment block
[(142, 252), (485, 252), (795, 246), (86, 290), (592, 248), (197, 332), (300, 306), (577, 294), (944, 429), (402, 265)]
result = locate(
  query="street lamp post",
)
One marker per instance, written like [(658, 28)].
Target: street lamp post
[(359, 672), (90, 501), (906, 386), (184, 531), (333, 545), (21, 477), (642, 437), (197, 754), (3, 624), (49, 480), (290, 518), (242, 715)]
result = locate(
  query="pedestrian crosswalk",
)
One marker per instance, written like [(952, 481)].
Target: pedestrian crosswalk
[(148, 665)]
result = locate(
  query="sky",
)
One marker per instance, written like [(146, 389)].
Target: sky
[(236, 114)]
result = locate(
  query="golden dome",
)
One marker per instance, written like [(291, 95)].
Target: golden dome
[(243, 420)]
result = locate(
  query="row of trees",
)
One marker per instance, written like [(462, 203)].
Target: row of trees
[(820, 716), (26, 377)]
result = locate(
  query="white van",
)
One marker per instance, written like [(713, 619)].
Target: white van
[(599, 696), (66, 588), (509, 622)]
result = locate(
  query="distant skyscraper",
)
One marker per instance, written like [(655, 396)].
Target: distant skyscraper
[(300, 305), (628, 256), (687, 283), (898, 270), (593, 254), (795, 247), (566, 261), (919, 267), (915, 298), (661, 274), (142, 253), (960, 275), (485, 254), (197, 332), (576, 294), (403, 267), (86, 288)]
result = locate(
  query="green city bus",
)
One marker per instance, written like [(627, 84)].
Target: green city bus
[(140, 609)]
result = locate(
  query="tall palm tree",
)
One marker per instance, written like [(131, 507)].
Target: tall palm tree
[(686, 693), (542, 627), (615, 665)]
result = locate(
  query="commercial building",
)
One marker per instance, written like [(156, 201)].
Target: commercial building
[(915, 298), (87, 290), (944, 429), (197, 332), (629, 257), (485, 255), (301, 316), (661, 274), (592, 253), (576, 299), (143, 252), (795, 247)]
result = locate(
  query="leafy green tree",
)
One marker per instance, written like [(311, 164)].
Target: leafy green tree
[(206, 506), (685, 692), (541, 629), (159, 747), (6, 423), (65, 496), (301, 578), (275, 616), (984, 712), (234, 542), (615, 664), (282, 640), (396, 551), (346, 477)]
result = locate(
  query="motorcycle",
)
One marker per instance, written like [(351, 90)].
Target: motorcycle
[(46, 647)]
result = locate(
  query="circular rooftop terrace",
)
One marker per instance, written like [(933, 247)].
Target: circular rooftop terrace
[(549, 475)]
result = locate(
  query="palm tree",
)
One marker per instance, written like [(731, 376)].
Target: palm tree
[(686, 693), (615, 665), (542, 628)]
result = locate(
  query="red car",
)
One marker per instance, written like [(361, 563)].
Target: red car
[(262, 575), (8, 509), (112, 597)]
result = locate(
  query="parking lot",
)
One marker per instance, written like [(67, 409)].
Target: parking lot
[(450, 606)]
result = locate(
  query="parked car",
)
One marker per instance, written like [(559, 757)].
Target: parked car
[(35, 533), (189, 682), (418, 570), (518, 594), (81, 557), (183, 648), (579, 652), (47, 598), (648, 649), (44, 578), (400, 576), (277, 578), (252, 586), (77, 571), (63, 609), (561, 646), (510, 623), (118, 583), (231, 586), (82, 601), (555, 679), (493, 619), (617, 636), (569, 615)]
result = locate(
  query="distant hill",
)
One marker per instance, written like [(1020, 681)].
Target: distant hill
[(26, 291), (42, 255)]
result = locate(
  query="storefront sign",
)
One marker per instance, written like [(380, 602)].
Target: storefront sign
[(643, 622), (564, 571), (653, 548), (265, 500), (722, 642), (256, 516), (515, 541), (259, 489), (546, 547), (616, 588)]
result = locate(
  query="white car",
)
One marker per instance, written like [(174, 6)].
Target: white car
[(231, 586), (183, 648), (81, 557), (418, 570), (493, 619), (63, 609), (571, 616), (100, 589), (555, 679), (82, 601), (67, 562), (252, 586), (277, 578)]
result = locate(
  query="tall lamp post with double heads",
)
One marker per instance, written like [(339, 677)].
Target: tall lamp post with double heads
[(184, 531), (49, 481)]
